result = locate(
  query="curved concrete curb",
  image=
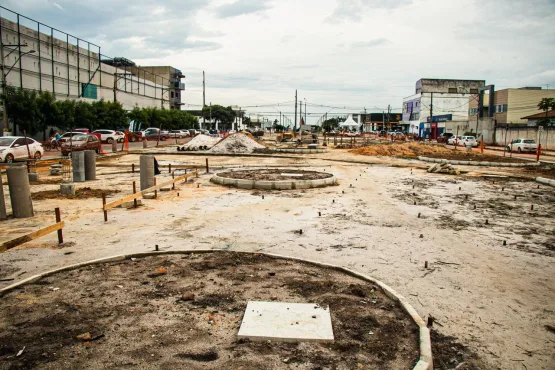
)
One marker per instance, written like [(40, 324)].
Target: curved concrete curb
[(274, 185), (424, 363), (300, 151), (472, 163), (543, 180)]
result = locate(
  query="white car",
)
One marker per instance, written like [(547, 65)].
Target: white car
[(178, 134), (15, 147), (463, 141), (109, 136), (523, 145)]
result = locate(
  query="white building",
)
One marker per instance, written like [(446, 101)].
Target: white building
[(437, 101)]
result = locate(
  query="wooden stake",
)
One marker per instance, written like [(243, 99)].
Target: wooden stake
[(155, 191), (104, 207), (173, 178), (207, 168), (58, 220), (132, 167), (134, 191), (170, 168)]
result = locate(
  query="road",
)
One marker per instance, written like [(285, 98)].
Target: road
[(107, 148), (500, 153)]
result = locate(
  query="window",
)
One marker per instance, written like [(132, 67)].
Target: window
[(89, 91), (171, 94), (474, 91), (30, 141), (501, 108), (20, 141), (453, 90)]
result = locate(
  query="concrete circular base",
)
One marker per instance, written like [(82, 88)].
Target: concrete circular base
[(425, 361), (288, 184), (473, 163)]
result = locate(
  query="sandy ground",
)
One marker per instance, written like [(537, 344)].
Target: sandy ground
[(495, 299)]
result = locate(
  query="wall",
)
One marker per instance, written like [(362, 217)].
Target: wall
[(522, 103), (61, 67), (443, 85), (443, 103), (547, 137), (485, 128)]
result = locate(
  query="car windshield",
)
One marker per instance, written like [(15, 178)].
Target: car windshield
[(79, 137), (529, 141), (6, 141)]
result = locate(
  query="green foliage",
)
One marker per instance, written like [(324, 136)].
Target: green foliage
[(332, 123), (546, 104), (36, 111), (225, 117)]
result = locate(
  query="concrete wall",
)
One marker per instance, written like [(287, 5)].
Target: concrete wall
[(485, 128), (443, 85), (547, 136), (59, 66)]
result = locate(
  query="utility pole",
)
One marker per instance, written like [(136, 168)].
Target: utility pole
[(388, 114), (210, 115), (4, 84), (305, 122), (295, 127), (301, 115), (203, 101), (431, 111)]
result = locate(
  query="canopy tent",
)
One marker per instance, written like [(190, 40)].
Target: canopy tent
[(350, 124)]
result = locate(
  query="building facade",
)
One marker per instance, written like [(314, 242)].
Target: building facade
[(437, 101), (42, 58), (511, 106)]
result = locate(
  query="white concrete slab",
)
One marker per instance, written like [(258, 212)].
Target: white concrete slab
[(286, 322)]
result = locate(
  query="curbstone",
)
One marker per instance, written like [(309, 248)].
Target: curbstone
[(274, 185)]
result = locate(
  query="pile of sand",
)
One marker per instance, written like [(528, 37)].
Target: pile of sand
[(402, 150), (201, 141), (237, 143)]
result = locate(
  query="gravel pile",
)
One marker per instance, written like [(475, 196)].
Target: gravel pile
[(200, 142), (237, 143)]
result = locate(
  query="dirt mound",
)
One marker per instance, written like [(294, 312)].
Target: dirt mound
[(202, 141), (82, 193), (237, 143), (402, 150), (428, 150)]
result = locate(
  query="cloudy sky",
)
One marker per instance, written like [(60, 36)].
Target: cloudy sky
[(338, 53)]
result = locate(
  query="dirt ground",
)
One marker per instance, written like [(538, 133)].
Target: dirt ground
[(184, 311), (275, 174), (407, 150), (82, 193), (490, 287)]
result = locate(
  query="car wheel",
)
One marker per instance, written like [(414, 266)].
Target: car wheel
[(519, 150), (508, 148), (9, 158), (110, 140), (38, 156)]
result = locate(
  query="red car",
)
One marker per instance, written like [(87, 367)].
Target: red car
[(81, 142)]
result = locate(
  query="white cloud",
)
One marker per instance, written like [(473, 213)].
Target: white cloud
[(370, 54)]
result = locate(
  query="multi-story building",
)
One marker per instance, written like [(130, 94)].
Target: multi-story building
[(437, 101), (38, 57), (510, 106), (164, 74)]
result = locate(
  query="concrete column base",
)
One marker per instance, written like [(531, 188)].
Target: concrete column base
[(67, 189)]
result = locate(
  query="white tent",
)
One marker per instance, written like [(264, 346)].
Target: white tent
[(350, 124)]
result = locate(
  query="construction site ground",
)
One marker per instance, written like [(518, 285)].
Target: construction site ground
[(493, 304)]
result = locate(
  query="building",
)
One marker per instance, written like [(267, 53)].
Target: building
[(382, 121), (167, 74), (534, 118), (437, 102), (510, 106), (38, 57)]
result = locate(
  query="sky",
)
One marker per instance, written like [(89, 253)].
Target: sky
[(341, 55)]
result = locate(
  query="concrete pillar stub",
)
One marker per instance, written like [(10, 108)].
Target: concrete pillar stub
[(147, 171), (78, 163), (90, 165), (3, 214), (20, 192)]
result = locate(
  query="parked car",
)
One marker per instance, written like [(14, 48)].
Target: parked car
[(82, 130), (81, 142), (193, 132), (444, 137), (15, 147), (67, 135), (154, 133), (463, 141), (109, 136), (523, 145), (178, 134)]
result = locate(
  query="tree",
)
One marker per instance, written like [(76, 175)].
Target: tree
[(66, 114), (22, 109), (224, 117), (47, 112), (546, 104), (332, 123)]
